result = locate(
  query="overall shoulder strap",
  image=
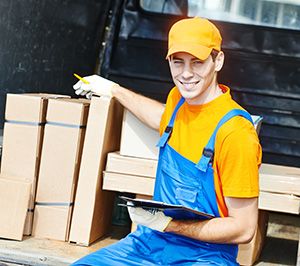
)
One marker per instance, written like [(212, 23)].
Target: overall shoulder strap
[(208, 151), (168, 131)]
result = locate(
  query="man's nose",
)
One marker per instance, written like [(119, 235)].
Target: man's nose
[(187, 72)]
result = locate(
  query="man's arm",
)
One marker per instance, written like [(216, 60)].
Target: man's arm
[(239, 227), (147, 110)]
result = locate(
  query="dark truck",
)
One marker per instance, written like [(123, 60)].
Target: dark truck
[(42, 43)]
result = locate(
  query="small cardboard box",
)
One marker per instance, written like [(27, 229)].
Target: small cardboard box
[(117, 163), (93, 206), (138, 140), (25, 116), (128, 183), (60, 161), (14, 200)]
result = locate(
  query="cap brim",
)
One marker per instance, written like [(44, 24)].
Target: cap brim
[(199, 51)]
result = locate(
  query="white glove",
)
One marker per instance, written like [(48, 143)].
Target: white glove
[(157, 220), (97, 85)]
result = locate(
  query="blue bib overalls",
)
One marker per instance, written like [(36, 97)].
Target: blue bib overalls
[(178, 181)]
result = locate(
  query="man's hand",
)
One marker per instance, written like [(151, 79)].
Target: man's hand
[(96, 85), (156, 221)]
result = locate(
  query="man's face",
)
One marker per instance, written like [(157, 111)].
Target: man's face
[(192, 76)]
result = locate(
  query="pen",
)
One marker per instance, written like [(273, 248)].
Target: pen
[(82, 79)]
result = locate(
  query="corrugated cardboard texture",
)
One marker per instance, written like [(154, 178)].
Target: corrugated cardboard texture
[(22, 140), (138, 140), (14, 200), (60, 160), (93, 206)]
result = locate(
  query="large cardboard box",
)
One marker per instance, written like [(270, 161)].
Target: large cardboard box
[(60, 161), (138, 140), (93, 206), (25, 116), (14, 200)]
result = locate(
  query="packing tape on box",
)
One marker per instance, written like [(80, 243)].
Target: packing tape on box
[(27, 123), (64, 125), (54, 203)]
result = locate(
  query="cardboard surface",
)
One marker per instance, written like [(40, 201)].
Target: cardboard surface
[(25, 115), (51, 222), (128, 183), (279, 202), (117, 163), (249, 253), (93, 206), (60, 161), (279, 179), (14, 200), (138, 140)]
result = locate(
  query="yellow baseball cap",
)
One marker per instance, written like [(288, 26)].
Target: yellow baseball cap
[(196, 36)]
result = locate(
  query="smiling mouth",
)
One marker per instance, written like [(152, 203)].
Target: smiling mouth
[(189, 84)]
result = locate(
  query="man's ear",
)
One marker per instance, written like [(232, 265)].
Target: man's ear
[(219, 61)]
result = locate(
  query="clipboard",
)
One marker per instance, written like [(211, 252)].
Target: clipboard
[(178, 212)]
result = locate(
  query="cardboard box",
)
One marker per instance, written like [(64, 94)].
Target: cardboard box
[(25, 116), (279, 179), (117, 163), (93, 206), (279, 202), (60, 161), (14, 200), (128, 183), (138, 140), (249, 253)]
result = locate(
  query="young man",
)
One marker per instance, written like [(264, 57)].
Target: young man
[(209, 159)]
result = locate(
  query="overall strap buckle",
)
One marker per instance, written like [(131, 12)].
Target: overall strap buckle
[(208, 153), (207, 157), (165, 137)]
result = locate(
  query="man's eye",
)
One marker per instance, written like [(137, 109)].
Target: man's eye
[(177, 62), (197, 62)]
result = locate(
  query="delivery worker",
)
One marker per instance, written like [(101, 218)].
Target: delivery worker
[(208, 161)]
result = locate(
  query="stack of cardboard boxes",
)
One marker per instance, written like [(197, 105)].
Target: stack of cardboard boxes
[(25, 117), (133, 170), (45, 137)]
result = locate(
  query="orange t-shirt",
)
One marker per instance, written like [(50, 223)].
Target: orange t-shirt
[(237, 149)]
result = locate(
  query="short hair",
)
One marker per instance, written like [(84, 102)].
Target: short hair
[(214, 53)]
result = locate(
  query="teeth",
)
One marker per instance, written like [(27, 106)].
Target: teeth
[(189, 85)]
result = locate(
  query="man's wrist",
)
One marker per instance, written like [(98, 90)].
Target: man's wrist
[(171, 227), (115, 90)]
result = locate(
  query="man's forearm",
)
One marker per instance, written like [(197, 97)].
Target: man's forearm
[(217, 230), (147, 110)]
